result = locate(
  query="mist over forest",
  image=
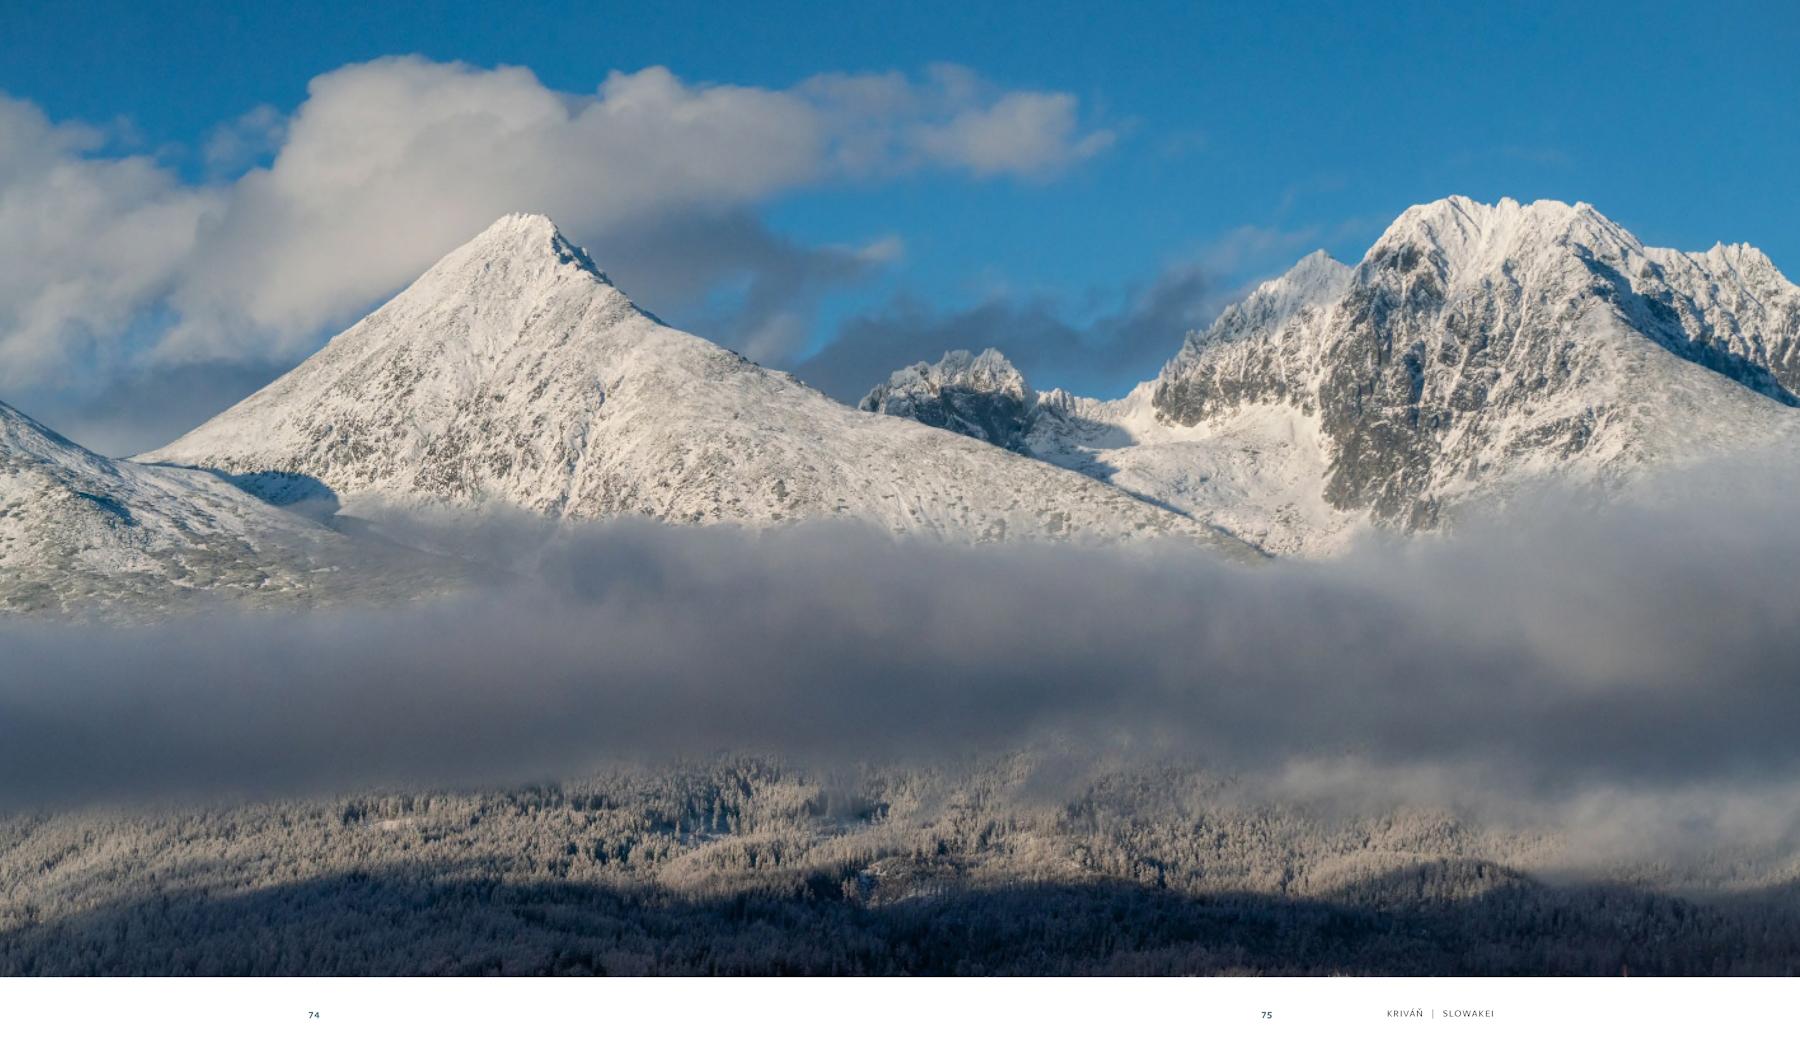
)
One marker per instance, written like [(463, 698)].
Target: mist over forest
[(1555, 741)]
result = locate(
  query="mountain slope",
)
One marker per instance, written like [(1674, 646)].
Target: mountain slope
[(83, 533), (1475, 348), (513, 373)]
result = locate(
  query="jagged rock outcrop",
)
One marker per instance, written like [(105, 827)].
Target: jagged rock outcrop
[(980, 395), (1474, 348)]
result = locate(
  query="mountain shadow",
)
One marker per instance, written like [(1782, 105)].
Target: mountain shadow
[(300, 493), (402, 920)]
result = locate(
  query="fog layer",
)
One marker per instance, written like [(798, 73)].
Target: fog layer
[(1563, 656)]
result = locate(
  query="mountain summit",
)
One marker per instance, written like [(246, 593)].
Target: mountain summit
[(1474, 348), (513, 373), (981, 395)]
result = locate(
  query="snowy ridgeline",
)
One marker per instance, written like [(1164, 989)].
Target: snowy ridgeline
[(514, 375), (1474, 349), (744, 867), (81, 533)]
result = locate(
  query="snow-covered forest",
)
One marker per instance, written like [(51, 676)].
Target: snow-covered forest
[(744, 866)]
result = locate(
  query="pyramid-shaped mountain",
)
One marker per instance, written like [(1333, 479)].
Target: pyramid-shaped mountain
[(514, 374)]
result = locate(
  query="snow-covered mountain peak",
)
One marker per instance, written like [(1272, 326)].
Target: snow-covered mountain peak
[(522, 236), (1315, 280), (513, 374), (1467, 241), (1746, 265), (987, 372), (1478, 344), (1314, 267), (1458, 217), (1474, 348), (23, 438), (506, 273), (981, 395)]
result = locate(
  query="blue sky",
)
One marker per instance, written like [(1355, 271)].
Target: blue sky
[(1232, 139)]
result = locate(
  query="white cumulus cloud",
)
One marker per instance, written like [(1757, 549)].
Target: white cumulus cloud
[(388, 164), (90, 241)]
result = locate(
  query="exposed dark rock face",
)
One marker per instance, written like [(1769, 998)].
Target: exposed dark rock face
[(1474, 341), (1475, 350), (979, 395)]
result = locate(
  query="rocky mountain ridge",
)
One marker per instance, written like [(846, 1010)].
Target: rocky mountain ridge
[(1474, 349)]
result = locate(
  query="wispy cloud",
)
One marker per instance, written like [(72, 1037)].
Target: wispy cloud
[(1104, 354), (92, 242), (250, 139), (1121, 346)]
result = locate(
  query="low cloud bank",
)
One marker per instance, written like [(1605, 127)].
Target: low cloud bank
[(1635, 660)]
